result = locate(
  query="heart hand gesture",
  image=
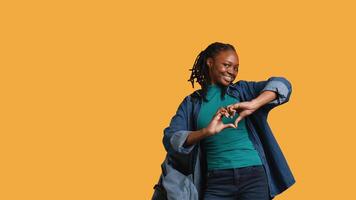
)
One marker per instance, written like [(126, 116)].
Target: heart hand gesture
[(242, 108), (216, 124)]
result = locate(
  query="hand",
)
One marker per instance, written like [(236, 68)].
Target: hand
[(243, 109), (216, 124)]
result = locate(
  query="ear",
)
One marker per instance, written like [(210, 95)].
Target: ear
[(209, 62)]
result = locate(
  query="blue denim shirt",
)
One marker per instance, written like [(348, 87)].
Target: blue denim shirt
[(188, 164)]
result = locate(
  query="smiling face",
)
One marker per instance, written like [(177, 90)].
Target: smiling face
[(223, 68)]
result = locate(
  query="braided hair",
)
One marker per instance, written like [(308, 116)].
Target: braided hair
[(200, 69)]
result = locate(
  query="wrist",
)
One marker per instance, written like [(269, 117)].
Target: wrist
[(205, 132)]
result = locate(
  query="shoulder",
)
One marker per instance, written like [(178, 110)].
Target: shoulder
[(196, 95), (191, 98), (241, 85)]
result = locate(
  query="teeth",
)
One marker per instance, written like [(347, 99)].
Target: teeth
[(228, 78)]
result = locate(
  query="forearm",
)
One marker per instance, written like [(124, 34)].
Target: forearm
[(264, 98), (195, 136)]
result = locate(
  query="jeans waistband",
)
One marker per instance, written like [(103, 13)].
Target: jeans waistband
[(232, 170)]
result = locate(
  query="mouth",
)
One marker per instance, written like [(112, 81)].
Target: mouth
[(228, 78)]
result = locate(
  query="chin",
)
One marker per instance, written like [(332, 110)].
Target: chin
[(224, 83)]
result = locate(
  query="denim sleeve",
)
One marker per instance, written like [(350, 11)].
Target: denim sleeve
[(177, 132), (280, 85)]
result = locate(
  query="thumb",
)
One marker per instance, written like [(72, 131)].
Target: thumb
[(238, 120), (230, 125), (217, 116)]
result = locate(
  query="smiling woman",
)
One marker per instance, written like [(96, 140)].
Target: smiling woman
[(219, 144), (217, 64)]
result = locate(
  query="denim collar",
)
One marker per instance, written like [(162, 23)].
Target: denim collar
[(232, 90)]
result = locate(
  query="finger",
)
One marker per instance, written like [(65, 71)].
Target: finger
[(236, 105), (230, 110), (238, 120), (233, 109), (230, 125), (217, 116), (233, 112), (226, 114), (230, 107), (220, 109), (223, 111)]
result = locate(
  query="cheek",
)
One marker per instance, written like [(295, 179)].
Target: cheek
[(218, 71), (221, 70)]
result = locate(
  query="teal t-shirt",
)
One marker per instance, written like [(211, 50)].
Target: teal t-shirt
[(230, 148)]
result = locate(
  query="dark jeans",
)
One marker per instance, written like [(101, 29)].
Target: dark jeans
[(246, 183)]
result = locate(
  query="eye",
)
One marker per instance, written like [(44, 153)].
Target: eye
[(225, 64)]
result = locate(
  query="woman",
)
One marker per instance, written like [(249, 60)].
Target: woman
[(220, 139)]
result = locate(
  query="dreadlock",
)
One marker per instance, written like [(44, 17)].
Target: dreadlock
[(200, 69)]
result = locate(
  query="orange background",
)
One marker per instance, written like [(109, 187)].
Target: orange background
[(88, 87)]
